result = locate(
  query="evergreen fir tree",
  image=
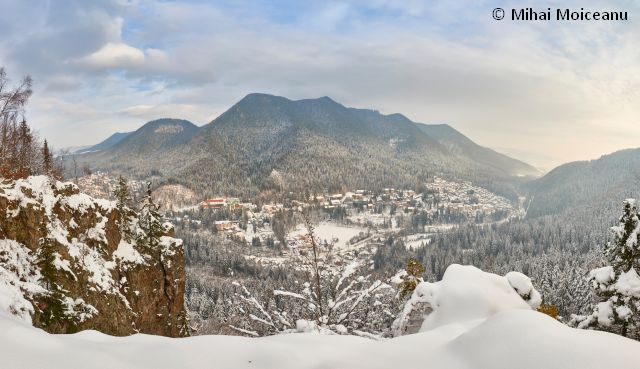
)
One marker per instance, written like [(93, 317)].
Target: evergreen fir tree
[(616, 285), (123, 204), (150, 221), (25, 139), (624, 252), (53, 311), (47, 159), (122, 194), (46, 262)]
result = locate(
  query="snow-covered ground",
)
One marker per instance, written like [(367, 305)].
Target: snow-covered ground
[(417, 240), (367, 217), (330, 231), (479, 321)]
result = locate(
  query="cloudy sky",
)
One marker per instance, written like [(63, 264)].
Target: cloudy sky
[(546, 92)]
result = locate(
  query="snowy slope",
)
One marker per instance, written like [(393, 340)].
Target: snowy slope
[(507, 335)]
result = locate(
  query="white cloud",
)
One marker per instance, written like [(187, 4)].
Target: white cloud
[(115, 55), (567, 90)]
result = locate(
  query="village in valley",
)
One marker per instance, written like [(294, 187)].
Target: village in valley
[(341, 219), (346, 221)]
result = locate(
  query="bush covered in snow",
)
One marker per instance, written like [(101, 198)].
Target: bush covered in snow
[(465, 294), (331, 297)]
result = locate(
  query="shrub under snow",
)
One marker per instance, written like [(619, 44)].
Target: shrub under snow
[(466, 294)]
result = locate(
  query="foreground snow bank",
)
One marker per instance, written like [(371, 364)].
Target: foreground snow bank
[(510, 339), (467, 295), (478, 321)]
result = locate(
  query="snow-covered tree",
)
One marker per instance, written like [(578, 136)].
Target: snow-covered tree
[(150, 221), (47, 159), (123, 204), (53, 310), (341, 299), (618, 284), (122, 193), (349, 303)]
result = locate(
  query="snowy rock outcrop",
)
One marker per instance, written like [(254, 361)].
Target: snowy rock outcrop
[(465, 296), (64, 265)]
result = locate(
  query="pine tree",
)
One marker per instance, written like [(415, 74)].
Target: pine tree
[(616, 285), (46, 262), (25, 139), (624, 252), (150, 221), (123, 204), (53, 311), (47, 159)]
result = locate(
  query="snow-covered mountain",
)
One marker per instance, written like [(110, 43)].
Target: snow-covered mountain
[(478, 321), (65, 264), (314, 144)]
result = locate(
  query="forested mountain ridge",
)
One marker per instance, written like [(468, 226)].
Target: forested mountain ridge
[(266, 141), (111, 141), (594, 188), (459, 143)]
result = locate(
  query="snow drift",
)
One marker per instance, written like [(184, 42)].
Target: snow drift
[(478, 321)]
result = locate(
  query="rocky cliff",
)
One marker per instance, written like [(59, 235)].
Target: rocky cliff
[(65, 265)]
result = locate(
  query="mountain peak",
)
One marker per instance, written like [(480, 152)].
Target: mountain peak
[(158, 134), (167, 125), (324, 99), (259, 97)]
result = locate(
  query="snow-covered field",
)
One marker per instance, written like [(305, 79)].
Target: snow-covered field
[(366, 217), (417, 240), (478, 322), (330, 231)]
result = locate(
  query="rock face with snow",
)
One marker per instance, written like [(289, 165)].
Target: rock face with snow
[(98, 280)]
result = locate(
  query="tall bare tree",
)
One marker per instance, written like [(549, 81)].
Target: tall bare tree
[(18, 145)]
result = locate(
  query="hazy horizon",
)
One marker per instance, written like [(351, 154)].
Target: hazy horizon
[(545, 93)]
